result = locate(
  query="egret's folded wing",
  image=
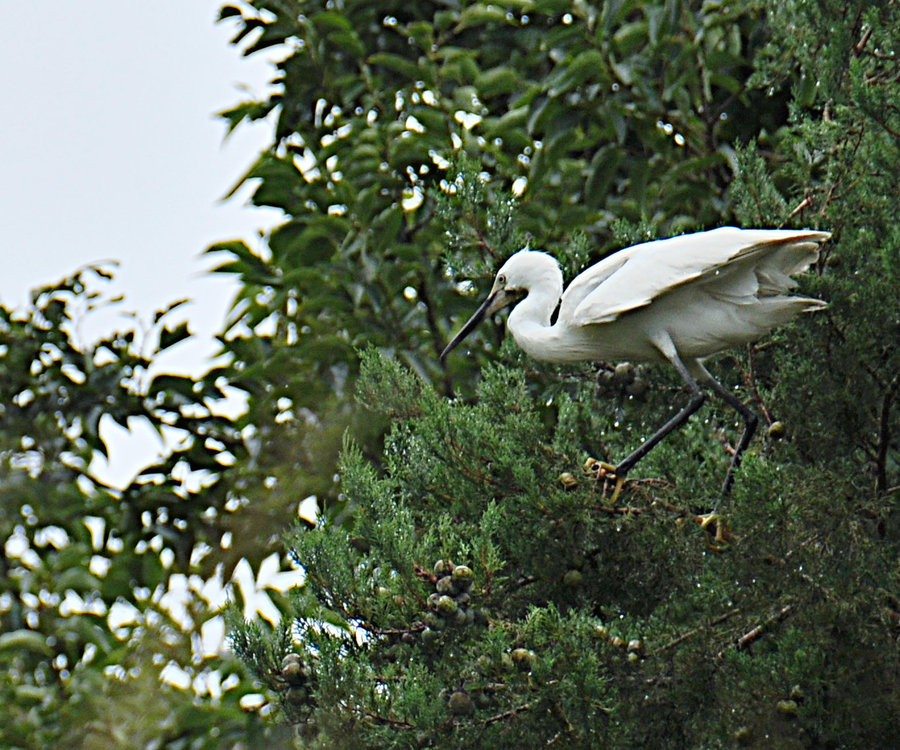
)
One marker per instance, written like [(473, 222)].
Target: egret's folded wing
[(649, 270)]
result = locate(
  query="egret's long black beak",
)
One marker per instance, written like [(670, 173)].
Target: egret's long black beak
[(496, 300)]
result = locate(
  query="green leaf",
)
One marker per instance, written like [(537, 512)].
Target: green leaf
[(33, 693), (160, 314), (630, 38), (168, 337), (423, 34), (401, 65), (180, 384), (499, 80), (25, 640), (348, 41), (77, 579), (229, 11), (331, 21), (480, 14), (587, 65), (234, 247), (603, 169)]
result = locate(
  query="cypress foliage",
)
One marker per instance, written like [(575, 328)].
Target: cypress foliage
[(473, 587)]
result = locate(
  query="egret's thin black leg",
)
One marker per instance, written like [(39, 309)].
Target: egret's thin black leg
[(696, 401), (750, 423)]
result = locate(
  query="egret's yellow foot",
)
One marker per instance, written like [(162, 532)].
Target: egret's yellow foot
[(598, 469), (716, 526), (620, 482), (605, 471)]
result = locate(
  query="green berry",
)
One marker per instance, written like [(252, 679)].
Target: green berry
[(788, 708), (443, 567), (447, 606), (445, 586), (523, 658), (460, 703), (573, 578), (568, 480), (293, 672), (463, 576), (429, 636), (624, 372), (743, 735)]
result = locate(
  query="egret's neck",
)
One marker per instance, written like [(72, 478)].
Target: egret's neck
[(529, 323)]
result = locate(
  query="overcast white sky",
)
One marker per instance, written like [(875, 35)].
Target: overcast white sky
[(109, 149)]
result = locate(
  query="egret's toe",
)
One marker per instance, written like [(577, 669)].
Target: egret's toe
[(716, 527), (620, 482)]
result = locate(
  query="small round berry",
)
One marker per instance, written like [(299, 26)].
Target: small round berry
[(445, 585), (573, 578), (523, 658), (463, 576), (460, 703), (624, 372), (447, 606)]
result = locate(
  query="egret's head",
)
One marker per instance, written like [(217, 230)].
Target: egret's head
[(527, 270), (522, 272)]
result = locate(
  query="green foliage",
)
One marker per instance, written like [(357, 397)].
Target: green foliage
[(835, 161), (88, 571), (415, 147), (468, 583), (582, 629)]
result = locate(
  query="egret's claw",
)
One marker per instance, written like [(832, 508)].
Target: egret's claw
[(606, 472), (716, 526), (620, 482)]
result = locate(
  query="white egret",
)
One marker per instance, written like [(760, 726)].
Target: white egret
[(678, 300)]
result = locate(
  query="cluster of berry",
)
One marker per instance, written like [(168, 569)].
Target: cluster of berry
[(297, 677), (451, 601), (625, 376)]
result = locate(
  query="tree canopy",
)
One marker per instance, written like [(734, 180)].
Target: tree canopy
[(467, 582)]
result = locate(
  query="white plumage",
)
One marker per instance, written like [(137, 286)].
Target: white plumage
[(679, 300)]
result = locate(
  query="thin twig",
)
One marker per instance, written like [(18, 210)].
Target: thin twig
[(416, 627), (861, 44), (387, 720), (507, 714), (712, 623), (884, 435), (805, 203), (755, 632)]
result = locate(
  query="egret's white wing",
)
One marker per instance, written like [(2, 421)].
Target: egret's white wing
[(634, 277)]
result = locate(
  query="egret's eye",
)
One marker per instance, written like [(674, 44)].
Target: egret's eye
[(501, 280)]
